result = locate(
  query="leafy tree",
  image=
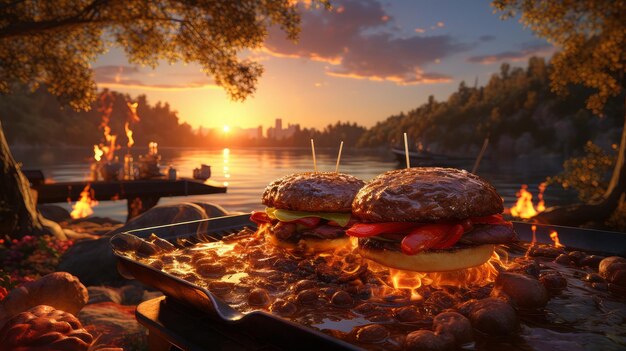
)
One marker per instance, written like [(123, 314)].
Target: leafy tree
[(53, 43), (591, 37)]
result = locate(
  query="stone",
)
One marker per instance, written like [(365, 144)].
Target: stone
[(454, 324), (554, 282), (604, 266), (491, 316), (59, 290), (114, 325), (525, 291), (99, 294), (426, 340), (92, 261), (54, 213)]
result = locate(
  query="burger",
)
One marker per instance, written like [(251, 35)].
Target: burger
[(308, 211), (429, 219)]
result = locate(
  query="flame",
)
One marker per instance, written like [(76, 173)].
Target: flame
[(83, 206), (106, 109), (524, 207), (411, 282), (132, 109), (97, 153), (555, 237), (129, 134)]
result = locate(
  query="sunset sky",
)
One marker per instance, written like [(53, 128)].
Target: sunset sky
[(362, 62)]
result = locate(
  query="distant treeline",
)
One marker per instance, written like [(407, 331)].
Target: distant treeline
[(515, 109), (37, 119)]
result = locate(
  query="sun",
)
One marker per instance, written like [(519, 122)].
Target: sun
[(226, 129)]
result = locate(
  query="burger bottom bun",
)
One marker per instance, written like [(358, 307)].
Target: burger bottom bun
[(431, 261), (309, 245)]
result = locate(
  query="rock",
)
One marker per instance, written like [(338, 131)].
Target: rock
[(407, 314), (554, 282), (372, 333), (342, 299), (577, 256), (54, 213), (92, 261), (618, 275), (491, 316), (60, 290), (426, 340), (604, 266), (525, 291), (613, 269), (592, 261), (283, 307), (99, 294), (546, 251), (166, 214), (44, 328), (454, 324), (529, 267), (564, 259), (132, 294), (259, 297), (114, 325)]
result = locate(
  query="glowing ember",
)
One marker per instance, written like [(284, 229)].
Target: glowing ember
[(555, 237), (83, 206), (97, 153), (524, 207)]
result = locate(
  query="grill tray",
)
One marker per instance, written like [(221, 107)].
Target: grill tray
[(280, 331), (265, 326)]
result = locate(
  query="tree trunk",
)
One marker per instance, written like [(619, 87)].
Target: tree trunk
[(597, 211), (18, 210)]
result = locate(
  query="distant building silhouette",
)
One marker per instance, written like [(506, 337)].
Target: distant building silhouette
[(277, 132)]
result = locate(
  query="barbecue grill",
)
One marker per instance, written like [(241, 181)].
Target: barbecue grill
[(192, 318)]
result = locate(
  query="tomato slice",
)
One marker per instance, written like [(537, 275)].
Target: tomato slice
[(363, 230), (423, 238), (454, 235), (493, 219), (308, 222), (260, 217)]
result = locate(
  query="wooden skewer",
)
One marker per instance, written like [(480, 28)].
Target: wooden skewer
[(339, 157), (313, 151), (406, 151), (480, 155)]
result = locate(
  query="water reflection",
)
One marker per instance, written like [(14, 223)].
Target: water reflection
[(225, 157), (248, 171)]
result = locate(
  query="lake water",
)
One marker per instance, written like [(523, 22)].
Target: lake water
[(248, 171)]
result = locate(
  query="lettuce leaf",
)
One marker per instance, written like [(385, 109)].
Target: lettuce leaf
[(288, 216)]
